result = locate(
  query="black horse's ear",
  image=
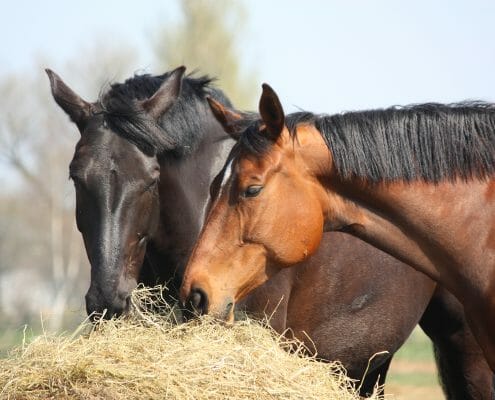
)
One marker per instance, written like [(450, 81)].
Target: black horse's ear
[(229, 119), (166, 94), (77, 108), (271, 111)]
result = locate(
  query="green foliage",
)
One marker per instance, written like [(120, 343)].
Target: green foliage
[(417, 348), (206, 39), (10, 337)]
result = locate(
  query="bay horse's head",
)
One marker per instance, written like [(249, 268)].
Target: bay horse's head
[(117, 202), (266, 209)]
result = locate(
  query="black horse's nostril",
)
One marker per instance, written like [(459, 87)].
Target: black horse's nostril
[(100, 307), (198, 301)]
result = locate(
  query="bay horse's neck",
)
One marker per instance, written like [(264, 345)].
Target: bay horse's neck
[(438, 228), (433, 227), (444, 229)]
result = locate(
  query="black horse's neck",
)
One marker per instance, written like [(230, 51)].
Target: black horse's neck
[(186, 171), (184, 192)]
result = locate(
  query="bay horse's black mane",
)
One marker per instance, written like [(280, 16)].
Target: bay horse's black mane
[(177, 132), (431, 142)]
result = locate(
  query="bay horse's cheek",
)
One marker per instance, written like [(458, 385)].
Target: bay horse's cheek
[(301, 240)]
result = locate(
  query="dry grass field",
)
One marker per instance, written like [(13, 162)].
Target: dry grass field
[(147, 356)]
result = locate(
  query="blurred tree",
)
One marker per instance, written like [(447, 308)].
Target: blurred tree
[(41, 244), (43, 265), (207, 39)]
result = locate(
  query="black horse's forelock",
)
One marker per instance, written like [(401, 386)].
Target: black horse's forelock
[(177, 132), (430, 142)]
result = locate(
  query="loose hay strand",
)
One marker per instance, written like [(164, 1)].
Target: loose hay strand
[(147, 355)]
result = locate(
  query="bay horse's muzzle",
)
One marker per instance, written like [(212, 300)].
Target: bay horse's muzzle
[(197, 303)]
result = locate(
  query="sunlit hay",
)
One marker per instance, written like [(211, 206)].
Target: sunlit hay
[(149, 356)]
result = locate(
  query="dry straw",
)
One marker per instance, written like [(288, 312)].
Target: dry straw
[(148, 356)]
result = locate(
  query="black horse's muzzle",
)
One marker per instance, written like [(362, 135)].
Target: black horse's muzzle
[(100, 306)]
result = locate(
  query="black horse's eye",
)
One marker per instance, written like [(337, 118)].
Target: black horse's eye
[(253, 191), (77, 182), (152, 185)]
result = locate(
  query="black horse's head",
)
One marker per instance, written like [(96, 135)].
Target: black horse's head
[(116, 172)]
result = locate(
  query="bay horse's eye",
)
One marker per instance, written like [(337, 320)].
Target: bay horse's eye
[(253, 191)]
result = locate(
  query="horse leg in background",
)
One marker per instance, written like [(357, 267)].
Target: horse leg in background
[(373, 378), (463, 370)]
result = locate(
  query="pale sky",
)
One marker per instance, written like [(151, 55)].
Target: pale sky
[(322, 56)]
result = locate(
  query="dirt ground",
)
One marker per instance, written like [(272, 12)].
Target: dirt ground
[(413, 373), (413, 380)]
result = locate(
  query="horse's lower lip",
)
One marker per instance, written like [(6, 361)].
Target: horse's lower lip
[(128, 303), (230, 317), (228, 314)]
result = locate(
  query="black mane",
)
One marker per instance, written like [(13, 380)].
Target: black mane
[(432, 142), (178, 131)]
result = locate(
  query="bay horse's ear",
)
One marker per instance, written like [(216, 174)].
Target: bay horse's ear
[(229, 119), (271, 111), (74, 106), (166, 94)]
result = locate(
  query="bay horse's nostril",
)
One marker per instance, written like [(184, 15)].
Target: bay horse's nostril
[(198, 301), (195, 299)]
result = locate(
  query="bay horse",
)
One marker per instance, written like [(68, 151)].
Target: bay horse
[(416, 182), (148, 151)]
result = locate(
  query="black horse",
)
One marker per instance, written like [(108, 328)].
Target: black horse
[(148, 152), (142, 170)]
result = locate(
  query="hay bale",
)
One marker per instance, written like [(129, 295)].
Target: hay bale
[(148, 356)]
